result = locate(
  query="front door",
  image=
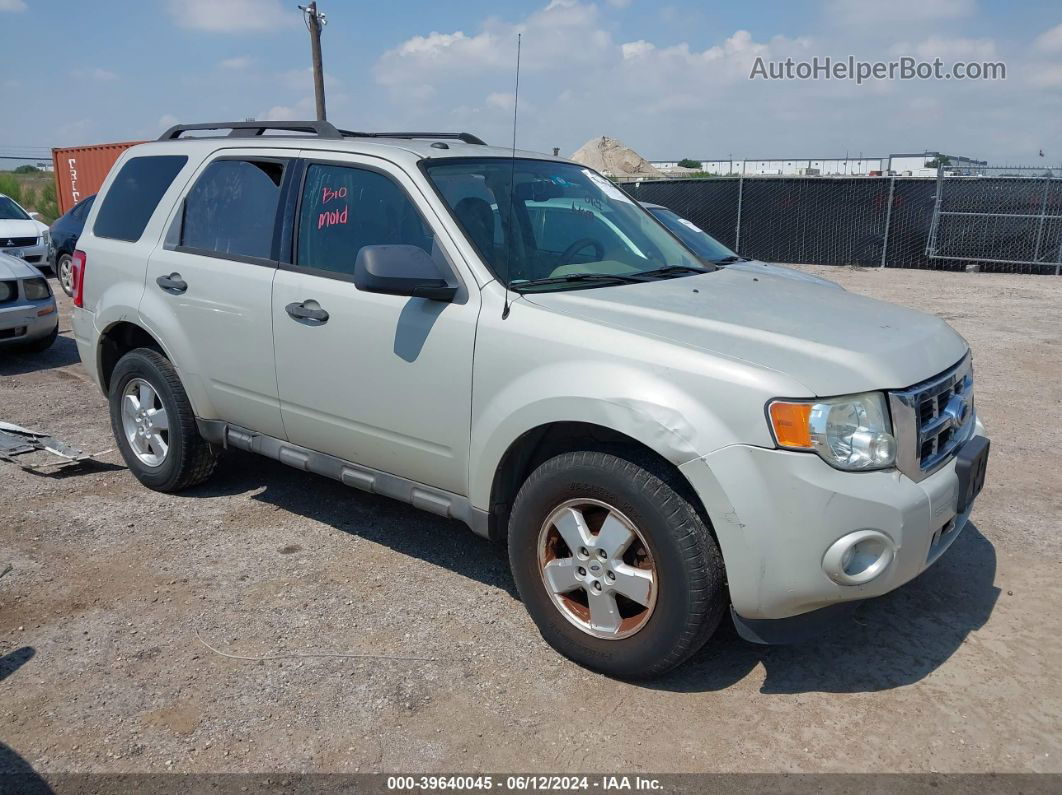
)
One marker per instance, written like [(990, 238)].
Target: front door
[(384, 381)]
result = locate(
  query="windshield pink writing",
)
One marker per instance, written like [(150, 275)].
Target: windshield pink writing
[(332, 217), (327, 194)]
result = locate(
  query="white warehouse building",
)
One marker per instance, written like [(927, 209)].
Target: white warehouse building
[(896, 164)]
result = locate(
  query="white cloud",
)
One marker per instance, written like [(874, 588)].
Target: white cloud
[(239, 62), (233, 16), (947, 48), (860, 13), (302, 80), (101, 75), (503, 100), (12, 5), (619, 3), (1050, 40)]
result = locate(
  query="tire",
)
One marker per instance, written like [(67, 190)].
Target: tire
[(42, 344), (673, 543), (187, 459), (62, 273)]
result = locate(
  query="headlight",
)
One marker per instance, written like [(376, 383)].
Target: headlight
[(46, 238), (851, 433), (36, 289)]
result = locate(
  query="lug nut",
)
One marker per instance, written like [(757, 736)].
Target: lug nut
[(597, 585), (602, 554), (582, 571), (584, 552), (611, 576)]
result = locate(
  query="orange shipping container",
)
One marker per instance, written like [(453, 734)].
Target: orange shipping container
[(80, 170)]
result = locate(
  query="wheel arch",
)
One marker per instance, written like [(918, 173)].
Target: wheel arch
[(549, 439), (117, 340)]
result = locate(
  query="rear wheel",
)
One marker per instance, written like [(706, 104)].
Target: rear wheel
[(614, 563), (63, 273), (154, 425)]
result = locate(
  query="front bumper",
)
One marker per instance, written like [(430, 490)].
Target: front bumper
[(20, 323), (776, 514), (40, 255)]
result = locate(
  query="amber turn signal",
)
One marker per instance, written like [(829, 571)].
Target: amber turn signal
[(791, 424)]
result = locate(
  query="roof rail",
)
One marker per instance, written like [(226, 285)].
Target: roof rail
[(249, 129), (464, 137)]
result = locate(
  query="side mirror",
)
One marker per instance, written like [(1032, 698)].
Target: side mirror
[(36, 216), (401, 270)]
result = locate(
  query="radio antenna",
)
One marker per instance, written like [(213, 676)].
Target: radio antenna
[(512, 185)]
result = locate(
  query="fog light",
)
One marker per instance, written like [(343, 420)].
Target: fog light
[(858, 557)]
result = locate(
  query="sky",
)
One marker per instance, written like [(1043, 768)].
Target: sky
[(670, 79)]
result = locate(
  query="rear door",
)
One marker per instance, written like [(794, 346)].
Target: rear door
[(208, 288), (386, 380)]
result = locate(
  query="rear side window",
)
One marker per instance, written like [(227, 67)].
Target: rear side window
[(134, 195), (232, 208), (345, 208)]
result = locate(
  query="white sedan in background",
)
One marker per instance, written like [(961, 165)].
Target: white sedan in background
[(23, 236)]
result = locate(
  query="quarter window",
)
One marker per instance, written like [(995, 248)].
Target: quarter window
[(344, 209), (232, 208), (134, 195)]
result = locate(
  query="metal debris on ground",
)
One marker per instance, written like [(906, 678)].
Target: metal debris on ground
[(16, 441)]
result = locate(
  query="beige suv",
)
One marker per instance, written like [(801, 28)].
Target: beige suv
[(507, 339)]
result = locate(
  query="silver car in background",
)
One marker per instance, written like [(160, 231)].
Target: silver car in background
[(711, 250), (29, 319)]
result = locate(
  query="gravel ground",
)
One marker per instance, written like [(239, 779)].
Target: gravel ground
[(114, 587)]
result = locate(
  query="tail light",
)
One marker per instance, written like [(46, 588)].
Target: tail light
[(77, 276)]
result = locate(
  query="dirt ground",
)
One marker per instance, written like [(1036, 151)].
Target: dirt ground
[(102, 668)]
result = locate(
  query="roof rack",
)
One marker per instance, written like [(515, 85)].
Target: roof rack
[(320, 129), (249, 129), (464, 137)]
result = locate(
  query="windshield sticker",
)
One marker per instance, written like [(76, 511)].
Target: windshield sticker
[(607, 187), (691, 225)]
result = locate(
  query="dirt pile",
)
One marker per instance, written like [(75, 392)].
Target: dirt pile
[(611, 157)]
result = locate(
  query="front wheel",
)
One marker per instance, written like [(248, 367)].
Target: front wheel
[(614, 563), (154, 425)]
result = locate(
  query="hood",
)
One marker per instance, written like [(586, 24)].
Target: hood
[(19, 228), (758, 267), (15, 268), (832, 341)]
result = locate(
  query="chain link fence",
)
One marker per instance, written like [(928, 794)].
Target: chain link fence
[(1007, 224)]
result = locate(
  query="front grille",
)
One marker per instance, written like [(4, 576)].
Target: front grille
[(932, 419), (17, 242)]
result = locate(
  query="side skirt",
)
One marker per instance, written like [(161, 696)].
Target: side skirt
[(427, 498)]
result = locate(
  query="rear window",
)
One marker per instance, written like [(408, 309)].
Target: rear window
[(134, 195), (231, 210)]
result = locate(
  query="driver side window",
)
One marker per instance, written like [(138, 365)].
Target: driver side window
[(344, 208)]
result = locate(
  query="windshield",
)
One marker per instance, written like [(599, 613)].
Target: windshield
[(702, 243), (564, 222), (9, 211)]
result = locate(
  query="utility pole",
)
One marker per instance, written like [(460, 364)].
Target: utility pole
[(314, 22)]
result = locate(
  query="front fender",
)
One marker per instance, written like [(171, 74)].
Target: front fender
[(654, 412)]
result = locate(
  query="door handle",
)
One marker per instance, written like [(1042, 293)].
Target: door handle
[(308, 312), (172, 284)]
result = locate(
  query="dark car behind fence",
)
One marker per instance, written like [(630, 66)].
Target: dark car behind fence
[(1003, 223)]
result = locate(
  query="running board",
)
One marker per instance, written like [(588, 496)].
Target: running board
[(427, 498)]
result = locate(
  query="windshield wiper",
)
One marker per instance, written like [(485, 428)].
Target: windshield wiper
[(675, 270), (730, 259), (570, 278)]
